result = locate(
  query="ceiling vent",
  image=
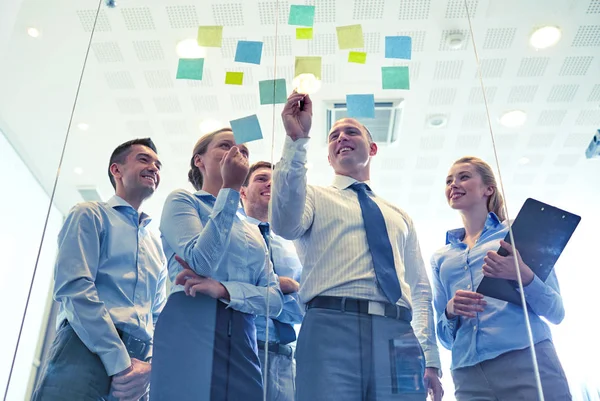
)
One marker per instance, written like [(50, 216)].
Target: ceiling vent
[(385, 127)]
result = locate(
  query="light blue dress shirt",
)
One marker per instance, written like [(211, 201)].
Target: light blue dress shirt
[(110, 274), (500, 328), (208, 234), (287, 264)]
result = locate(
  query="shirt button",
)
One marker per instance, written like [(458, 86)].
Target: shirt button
[(466, 267), (469, 286), (474, 328)]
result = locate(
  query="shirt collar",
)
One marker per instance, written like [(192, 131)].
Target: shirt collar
[(458, 234), (343, 181), (252, 220), (116, 202)]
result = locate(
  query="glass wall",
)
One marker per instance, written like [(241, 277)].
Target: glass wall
[(432, 81)]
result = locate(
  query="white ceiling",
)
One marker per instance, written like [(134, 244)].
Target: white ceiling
[(129, 90)]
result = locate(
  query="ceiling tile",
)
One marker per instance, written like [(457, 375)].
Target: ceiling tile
[(476, 95), (540, 141), (87, 17), (557, 179), (246, 101), (594, 7), (328, 71), (448, 69), (205, 103), (470, 142), (588, 117), (139, 129), (506, 142), (568, 160), (522, 94), (138, 18), (474, 120), (130, 105), (158, 79), (175, 127), (284, 46), (444, 44), (182, 16), (368, 9), (521, 178), (119, 80), (107, 52), (392, 163), (414, 67), (551, 118), (587, 35), (229, 46), (167, 104), (576, 66), (427, 162), (533, 66), (535, 160), (248, 74), (456, 8), (594, 93), (578, 140), (283, 71), (149, 50), (499, 38), (323, 45), (269, 13), (418, 39), (414, 9), (442, 96), (562, 93), (373, 42), (492, 67), (419, 198), (228, 14), (425, 180), (432, 142), (325, 12)]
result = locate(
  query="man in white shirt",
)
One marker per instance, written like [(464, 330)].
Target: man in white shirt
[(363, 274)]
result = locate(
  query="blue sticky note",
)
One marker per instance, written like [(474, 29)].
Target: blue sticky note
[(190, 68), (302, 15), (248, 52), (398, 47), (246, 129), (361, 106), (272, 91)]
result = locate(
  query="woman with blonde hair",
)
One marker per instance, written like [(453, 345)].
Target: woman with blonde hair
[(491, 359)]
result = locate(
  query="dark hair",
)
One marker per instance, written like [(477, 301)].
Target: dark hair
[(119, 155), (253, 168), (200, 148), (495, 201)]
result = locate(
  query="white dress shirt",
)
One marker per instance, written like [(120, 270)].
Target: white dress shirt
[(327, 226)]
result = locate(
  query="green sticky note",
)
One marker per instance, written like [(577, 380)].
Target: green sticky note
[(210, 36), (395, 78), (350, 37), (308, 65), (304, 33), (357, 57), (190, 68), (272, 91), (302, 15), (234, 78)]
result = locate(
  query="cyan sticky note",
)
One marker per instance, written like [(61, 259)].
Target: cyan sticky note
[(398, 47), (308, 65), (350, 37), (234, 78), (361, 106), (248, 52), (302, 15), (272, 91), (246, 129), (395, 77), (190, 68), (210, 36), (357, 57), (304, 33)]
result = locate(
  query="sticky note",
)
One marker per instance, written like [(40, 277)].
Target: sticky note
[(350, 37), (302, 15), (398, 47), (246, 129), (210, 36), (272, 91), (234, 78), (190, 68), (357, 57), (308, 65), (248, 52), (395, 77), (304, 33), (361, 106)]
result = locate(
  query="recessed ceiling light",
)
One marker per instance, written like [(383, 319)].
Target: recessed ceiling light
[(210, 125), (78, 170), (306, 83), (524, 160), (513, 118), (455, 40), (83, 126), (437, 121), (33, 32), (545, 37), (189, 48)]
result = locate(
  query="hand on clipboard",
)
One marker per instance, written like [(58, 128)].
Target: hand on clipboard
[(501, 264)]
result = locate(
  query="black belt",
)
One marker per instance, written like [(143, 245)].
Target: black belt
[(360, 306), (281, 349)]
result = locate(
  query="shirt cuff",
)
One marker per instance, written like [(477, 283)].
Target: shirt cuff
[(537, 286), (452, 324), (236, 295), (432, 360), (116, 361), (295, 150), (227, 199)]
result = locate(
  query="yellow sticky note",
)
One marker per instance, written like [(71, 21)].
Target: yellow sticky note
[(234, 78), (308, 65), (210, 36), (357, 57), (304, 33), (350, 37)]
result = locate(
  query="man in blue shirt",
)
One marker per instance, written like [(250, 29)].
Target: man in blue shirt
[(280, 374), (110, 282)]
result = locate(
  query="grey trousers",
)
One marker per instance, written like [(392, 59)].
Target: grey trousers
[(510, 377), (357, 357), (280, 376)]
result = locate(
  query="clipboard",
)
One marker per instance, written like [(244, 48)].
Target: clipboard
[(541, 233)]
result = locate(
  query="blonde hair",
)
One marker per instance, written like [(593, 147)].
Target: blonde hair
[(495, 201), (195, 175)]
